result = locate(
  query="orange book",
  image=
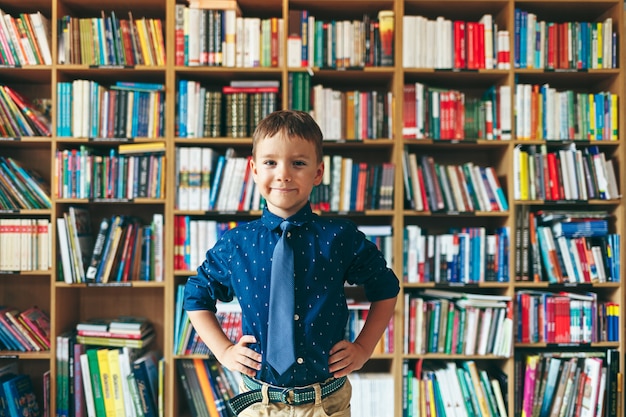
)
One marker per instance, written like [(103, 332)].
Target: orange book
[(205, 386)]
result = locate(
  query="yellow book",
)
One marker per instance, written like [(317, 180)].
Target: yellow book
[(614, 117), (116, 382), (430, 391), (591, 113), (523, 174), (105, 382), (470, 366), (142, 33)]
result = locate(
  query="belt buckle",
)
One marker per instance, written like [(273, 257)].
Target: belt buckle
[(284, 394)]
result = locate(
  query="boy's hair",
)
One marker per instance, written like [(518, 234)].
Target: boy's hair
[(292, 124)]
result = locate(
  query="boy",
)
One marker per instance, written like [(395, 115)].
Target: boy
[(286, 164)]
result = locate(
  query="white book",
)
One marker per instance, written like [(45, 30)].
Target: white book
[(64, 247), (413, 235), (486, 317), (158, 247), (194, 21), (195, 177), (207, 162), (505, 112), (487, 21), (125, 370), (41, 27), (87, 388), (346, 184)]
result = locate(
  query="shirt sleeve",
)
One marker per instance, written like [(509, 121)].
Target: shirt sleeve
[(212, 281), (369, 269)]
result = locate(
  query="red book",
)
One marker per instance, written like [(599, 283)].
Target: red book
[(361, 187), (553, 192), (550, 56), (525, 305), (409, 127), (480, 45), (460, 60), (471, 45)]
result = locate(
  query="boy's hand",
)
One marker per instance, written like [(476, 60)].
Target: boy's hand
[(346, 357), (240, 357)]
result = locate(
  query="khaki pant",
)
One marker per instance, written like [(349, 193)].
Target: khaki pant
[(335, 405)]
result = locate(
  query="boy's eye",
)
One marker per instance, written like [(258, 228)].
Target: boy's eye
[(299, 163), (269, 163)]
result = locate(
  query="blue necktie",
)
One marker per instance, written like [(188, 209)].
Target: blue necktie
[(280, 343)]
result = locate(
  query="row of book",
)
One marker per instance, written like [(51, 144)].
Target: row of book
[(462, 388), (17, 394), (21, 187), (186, 338), (466, 255), (352, 114), (207, 386), (433, 186), (563, 45), (25, 244), (87, 108), (124, 248), (192, 237), (337, 43), (444, 43), (563, 173), (226, 39), (99, 380), (130, 171), (349, 185), (565, 318), (232, 112), (441, 321), (24, 331), (566, 247), (25, 39), (357, 314), (19, 117), (107, 40), (577, 384), (449, 114), (545, 113)]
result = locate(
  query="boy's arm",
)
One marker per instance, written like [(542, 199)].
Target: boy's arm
[(346, 357), (236, 357)]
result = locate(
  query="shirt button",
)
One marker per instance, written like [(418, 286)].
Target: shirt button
[(296, 317), (288, 234), (300, 361)]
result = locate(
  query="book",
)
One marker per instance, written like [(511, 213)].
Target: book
[(83, 240), (117, 341), (145, 373), (98, 248), (21, 399)]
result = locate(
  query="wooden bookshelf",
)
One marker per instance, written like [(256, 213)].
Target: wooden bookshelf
[(70, 303)]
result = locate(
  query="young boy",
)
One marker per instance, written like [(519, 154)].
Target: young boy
[(286, 164)]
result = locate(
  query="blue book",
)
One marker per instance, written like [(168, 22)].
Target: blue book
[(20, 397), (217, 181), (145, 371), (551, 382), (115, 223), (182, 108), (146, 251)]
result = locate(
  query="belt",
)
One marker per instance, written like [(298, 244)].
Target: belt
[(291, 396)]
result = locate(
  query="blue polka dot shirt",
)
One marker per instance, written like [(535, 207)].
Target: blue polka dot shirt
[(328, 253)]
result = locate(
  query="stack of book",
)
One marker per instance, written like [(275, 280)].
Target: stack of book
[(124, 331)]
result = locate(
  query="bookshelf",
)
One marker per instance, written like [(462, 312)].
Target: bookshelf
[(69, 303)]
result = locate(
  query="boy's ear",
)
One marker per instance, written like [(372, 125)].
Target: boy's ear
[(319, 174)]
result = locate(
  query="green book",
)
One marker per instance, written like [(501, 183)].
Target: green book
[(96, 386)]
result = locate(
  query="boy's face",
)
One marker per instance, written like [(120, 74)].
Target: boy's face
[(286, 170)]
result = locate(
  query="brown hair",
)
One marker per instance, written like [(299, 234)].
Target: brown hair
[(293, 124)]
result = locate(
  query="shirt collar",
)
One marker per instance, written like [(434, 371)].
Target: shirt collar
[(272, 221)]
